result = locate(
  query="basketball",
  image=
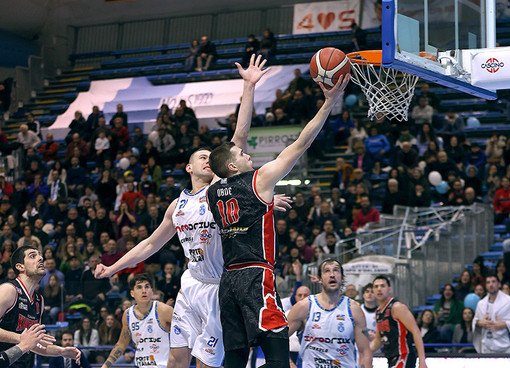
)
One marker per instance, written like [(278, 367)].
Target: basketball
[(327, 65)]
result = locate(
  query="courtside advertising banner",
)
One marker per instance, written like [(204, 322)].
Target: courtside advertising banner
[(327, 16), (264, 144)]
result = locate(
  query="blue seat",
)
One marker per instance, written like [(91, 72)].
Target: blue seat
[(500, 229), (497, 247), (492, 255)]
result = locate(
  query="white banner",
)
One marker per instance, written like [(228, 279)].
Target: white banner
[(327, 16), (264, 144), (367, 267)]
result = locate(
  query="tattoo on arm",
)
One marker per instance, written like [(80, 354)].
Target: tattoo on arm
[(365, 332), (114, 356), (13, 354)]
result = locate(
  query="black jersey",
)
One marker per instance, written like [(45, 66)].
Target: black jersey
[(396, 339), (24, 312), (245, 220)]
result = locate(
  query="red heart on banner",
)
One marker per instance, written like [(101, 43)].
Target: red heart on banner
[(325, 20)]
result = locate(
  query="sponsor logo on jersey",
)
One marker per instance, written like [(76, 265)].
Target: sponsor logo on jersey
[(150, 339), (205, 236), (197, 225), (187, 239), (154, 349), (196, 255), (150, 320), (210, 351), (24, 322), (179, 213), (316, 348), (23, 306), (384, 326), (328, 340), (340, 317), (326, 363), (138, 334), (19, 291), (342, 350), (341, 327), (202, 210), (149, 329), (145, 361), (202, 200), (177, 330), (316, 327)]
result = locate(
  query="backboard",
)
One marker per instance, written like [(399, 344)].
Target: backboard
[(449, 30)]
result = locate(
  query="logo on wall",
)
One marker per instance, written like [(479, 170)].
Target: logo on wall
[(492, 65)]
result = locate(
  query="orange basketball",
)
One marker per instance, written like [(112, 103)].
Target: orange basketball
[(327, 65)]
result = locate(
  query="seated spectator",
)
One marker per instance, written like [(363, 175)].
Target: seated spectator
[(502, 272), (342, 127), (101, 147), (125, 217), (406, 136), (427, 324), (51, 269), (377, 144), (268, 45), (27, 138), (122, 134), (49, 150), (476, 157), (494, 148), (93, 119), (109, 332), (119, 114), (73, 279), (86, 335), (297, 84), (280, 102), (78, 142), (7, 247), (362, 160), (464, 286), (342, 175), (501, 201), (206, 54), (423, 112), (53, 295), (137, 144), (190, 61), (449, 313), (325, 213), (169, 284), (393, 197), (251, 48), (305, 251), (473, 180), (453, 125), (443, 165), (79, 126), (165, 145), (407, 158), (456, 195), (463, 332), (366, 214), (357, 134), (28, 238), (297, 110), (130, 196), (93, 290), (425, 136)]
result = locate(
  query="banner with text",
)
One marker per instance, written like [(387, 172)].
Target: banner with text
[(264, 144), (327, 16)]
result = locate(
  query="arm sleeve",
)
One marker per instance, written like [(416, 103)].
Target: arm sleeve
[(4, 360)]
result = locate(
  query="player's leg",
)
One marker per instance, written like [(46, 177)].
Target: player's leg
[(179, 357), (276, 352), (236, 358)]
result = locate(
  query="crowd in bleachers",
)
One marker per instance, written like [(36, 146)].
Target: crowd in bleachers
[(98, 193)]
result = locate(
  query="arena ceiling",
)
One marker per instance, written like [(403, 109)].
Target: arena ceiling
[(30, 18)]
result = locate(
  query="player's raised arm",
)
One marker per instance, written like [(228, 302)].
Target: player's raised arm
[(251, 76), (404, 315), (274, 171), (361, 336), (121, 344), (144, 249)]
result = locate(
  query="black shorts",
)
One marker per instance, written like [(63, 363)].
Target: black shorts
[(404, 361), (250, 308)]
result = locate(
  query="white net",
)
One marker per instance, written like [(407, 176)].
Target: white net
[(388, 91)]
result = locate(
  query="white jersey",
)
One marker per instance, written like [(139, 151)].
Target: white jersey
[(328, 338), (151, 340), (370, 318), (199, 236)]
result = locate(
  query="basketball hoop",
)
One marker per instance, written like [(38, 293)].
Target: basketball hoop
[(388, 91)]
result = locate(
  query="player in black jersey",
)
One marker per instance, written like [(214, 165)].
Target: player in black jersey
[(21, 307), (396, 329), (242, 206)]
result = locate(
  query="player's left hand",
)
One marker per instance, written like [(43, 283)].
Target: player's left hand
[(337, 91), (254, 72), (282, 202), (72, 353)]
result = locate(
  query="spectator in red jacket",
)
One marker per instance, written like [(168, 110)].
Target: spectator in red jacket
[(502, 201), (49, 150), (77, 142), (366, 214), (111, 254), (122, 133), (130, 196), (6, 188)]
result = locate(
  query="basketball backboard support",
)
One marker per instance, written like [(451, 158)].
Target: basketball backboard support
[(452, 31)]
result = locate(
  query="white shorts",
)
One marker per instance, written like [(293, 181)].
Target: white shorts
[(196, 321)]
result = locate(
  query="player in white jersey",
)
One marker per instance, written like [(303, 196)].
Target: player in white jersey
[(147, 323), (368, 307), (331, 323), (195, 335)]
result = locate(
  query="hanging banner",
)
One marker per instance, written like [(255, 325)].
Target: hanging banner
[(327, 16)]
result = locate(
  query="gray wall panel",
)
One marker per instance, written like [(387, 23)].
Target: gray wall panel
[(279, 20), (143, 34), (238, 24), (97, 38), (185, 29)]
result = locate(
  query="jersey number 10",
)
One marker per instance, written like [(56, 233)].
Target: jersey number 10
[(229, 211)]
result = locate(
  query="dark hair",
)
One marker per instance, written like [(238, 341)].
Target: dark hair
[(492, 274), (85, 335), (219, 159), (479, 261), (382, 277), (367, 286), (67, 332), (18, 256), (454, 296), (195, 150), (328, 261), (140, 277)]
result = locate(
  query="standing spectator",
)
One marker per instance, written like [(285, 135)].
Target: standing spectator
[(78, 125), (422, 113), (49, 150), (251, 48), (297, 84), (268, 45), (491, 324), (206, 53), (449, 313), (358, 37), (366, 214), (125, 217), (501, 201), (33, 124), (190, 61), (463, 332), (427, 324), (120, 114), (93, 119), (27, 138), (130, 196)]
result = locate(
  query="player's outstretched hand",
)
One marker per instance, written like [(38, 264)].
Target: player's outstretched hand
[(282, 202), (338, 89), (254, 72), (72, 353), (32, 337), (102, 271)]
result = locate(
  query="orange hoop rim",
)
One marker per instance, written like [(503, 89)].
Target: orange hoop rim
[(374, 57)]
